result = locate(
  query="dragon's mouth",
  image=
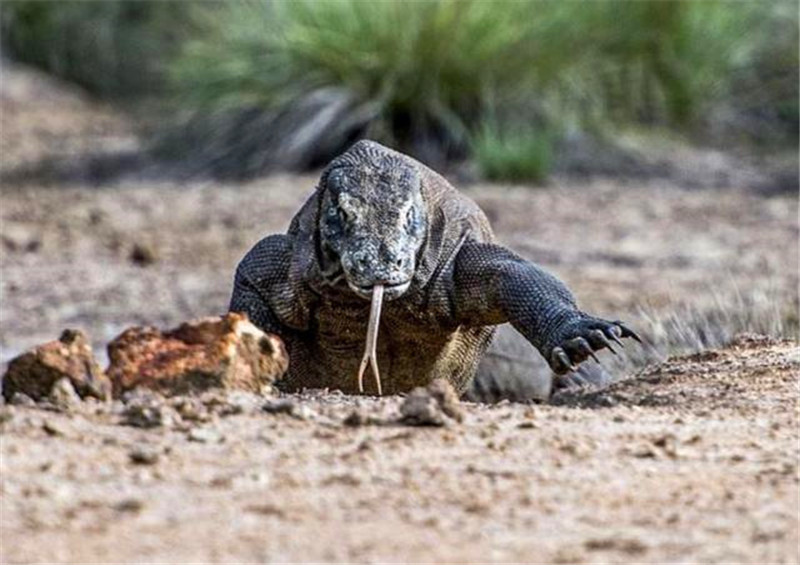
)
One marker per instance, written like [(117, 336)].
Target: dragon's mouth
[(390, 291)]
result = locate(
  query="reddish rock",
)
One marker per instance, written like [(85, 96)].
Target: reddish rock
[(227, 352), (70, 357)]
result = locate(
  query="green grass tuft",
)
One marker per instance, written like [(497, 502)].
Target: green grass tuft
[(259, 83), (513, 154)]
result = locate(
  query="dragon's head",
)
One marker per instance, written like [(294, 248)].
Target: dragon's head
[(372, 220)]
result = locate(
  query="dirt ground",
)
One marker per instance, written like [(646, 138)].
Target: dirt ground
[(693, 460), (696, 461)]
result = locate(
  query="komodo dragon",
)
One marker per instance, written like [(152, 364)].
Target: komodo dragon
[(381, 225)]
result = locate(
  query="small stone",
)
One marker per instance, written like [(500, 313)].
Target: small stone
[(129, 505), (63, 395), (630, 546), (222, 403), (421, 409), (22, 399), (192, 410), (433, 405), (144, 455), (528, 425), (355, 419), (290, 408), (319, 433), (303, 412), (148, 412), (143, 254), (240, 401), (266, 509), (644, 452), (70, 357), (52, 429), (284, 406), (221, 482), (204, 435)]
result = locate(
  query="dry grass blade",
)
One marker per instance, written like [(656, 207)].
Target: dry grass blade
[(370, 351)]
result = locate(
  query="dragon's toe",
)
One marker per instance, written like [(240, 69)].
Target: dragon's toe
[(582, 339)]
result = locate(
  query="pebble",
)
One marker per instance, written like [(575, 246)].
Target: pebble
[(22, 399), (147, 414), (129, 505), (192, 409), (434, 405), (142, 455), (528, 425), (63, 395), (204, 435), (279, 407), (52, 429), (420, 409), (290, 408), (355, 419), (143, 254)]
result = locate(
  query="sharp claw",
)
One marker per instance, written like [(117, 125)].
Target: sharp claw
[(607, 343), (599, 340), (584, 346), (627, 332), (616, 339), (563, 358)]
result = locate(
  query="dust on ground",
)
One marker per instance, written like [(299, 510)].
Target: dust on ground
[(695, 461)]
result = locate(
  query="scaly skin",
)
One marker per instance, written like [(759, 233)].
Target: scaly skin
[(380, 217)]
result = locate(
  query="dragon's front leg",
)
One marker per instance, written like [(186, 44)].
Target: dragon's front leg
[(492, 285)]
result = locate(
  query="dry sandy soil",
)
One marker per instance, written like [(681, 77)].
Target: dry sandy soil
[(693, 460)]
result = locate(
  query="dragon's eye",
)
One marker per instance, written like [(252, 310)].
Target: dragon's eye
[(343, 216), (336, 178)]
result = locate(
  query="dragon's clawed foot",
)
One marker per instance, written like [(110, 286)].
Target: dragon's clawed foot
[(582, 339)]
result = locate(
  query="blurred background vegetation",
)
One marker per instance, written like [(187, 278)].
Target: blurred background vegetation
[(246, 86)]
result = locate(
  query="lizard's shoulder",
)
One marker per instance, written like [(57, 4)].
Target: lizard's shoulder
[(455, 214)]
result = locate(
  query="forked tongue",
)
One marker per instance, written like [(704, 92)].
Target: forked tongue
[(370, 351)]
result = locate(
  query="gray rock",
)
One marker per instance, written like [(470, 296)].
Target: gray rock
[(22, 399), (149, 413), (421, 409), (434, 405), (63, 395), (204, 435)]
